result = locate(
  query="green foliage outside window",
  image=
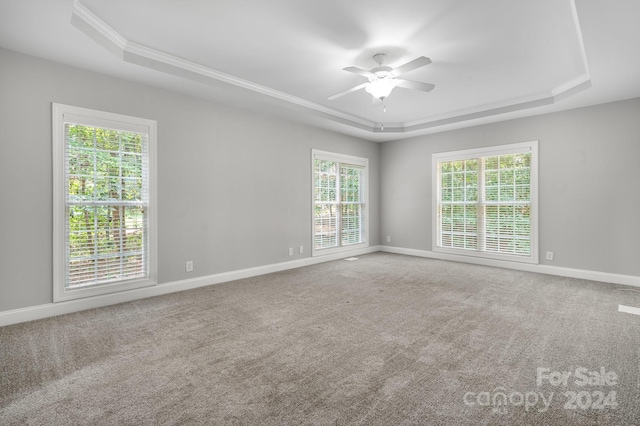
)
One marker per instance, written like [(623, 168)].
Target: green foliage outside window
[(105, 205), (502, 211), (338, 210)]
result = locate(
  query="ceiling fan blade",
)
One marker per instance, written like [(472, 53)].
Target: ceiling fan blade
[(416, 85), (353, 89), (359, 71), (411, 65)]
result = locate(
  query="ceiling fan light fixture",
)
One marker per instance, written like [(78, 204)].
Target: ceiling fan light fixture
[(382, 79), (382, 87)]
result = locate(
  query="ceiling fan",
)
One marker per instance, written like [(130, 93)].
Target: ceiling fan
[(383, 79)]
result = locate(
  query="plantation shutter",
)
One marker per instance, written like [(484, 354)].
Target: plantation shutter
[(106, 203)]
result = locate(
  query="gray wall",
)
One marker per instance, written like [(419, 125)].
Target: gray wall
[(589, 184), (233, 186)]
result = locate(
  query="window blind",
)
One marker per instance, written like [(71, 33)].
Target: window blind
[(106, 205), (485, 202), (339, 204)]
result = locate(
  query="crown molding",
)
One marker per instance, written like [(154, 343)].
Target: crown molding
[(86, 21)]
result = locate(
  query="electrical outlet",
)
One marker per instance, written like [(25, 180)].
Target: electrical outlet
[(301, 249), (188, 266), (388, 238), (291, 251), (549, 255)]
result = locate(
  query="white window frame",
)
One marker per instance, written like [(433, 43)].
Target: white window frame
[(347, 159), (516, 148), (62, 114)]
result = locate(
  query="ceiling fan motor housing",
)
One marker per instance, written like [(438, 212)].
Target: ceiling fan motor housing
[(381, 72), (383, 79), (379, 58)]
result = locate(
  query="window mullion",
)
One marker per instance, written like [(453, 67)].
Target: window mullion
[(348, 203), (481, 216), (121, 208), (94, 231), (121, 231), (439, 204), (505, 230), (91, 164), (338, 204)]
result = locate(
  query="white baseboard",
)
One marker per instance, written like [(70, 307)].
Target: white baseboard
[(606, 277), (53, 309)]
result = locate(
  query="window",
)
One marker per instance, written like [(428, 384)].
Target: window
[(104, 202), (485, 202), (340, 202)]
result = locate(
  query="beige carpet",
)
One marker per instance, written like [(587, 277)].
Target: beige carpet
[(384, 340)]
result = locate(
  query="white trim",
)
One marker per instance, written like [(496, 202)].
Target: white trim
[(340, 249), (466, 154), (606, 277), (348, 159), (96, 24), (47, 310), (629, 309), (569, 88), (578, 29), (513, 148), (339, 158), (60, 308), (89, 23), (67, 113)]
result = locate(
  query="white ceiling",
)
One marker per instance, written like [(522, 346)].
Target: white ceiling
[(492, 59)]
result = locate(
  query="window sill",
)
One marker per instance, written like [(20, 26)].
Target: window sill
[(343, 249), (100, 289)]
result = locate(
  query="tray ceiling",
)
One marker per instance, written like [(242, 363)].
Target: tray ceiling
[(492, 60)]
